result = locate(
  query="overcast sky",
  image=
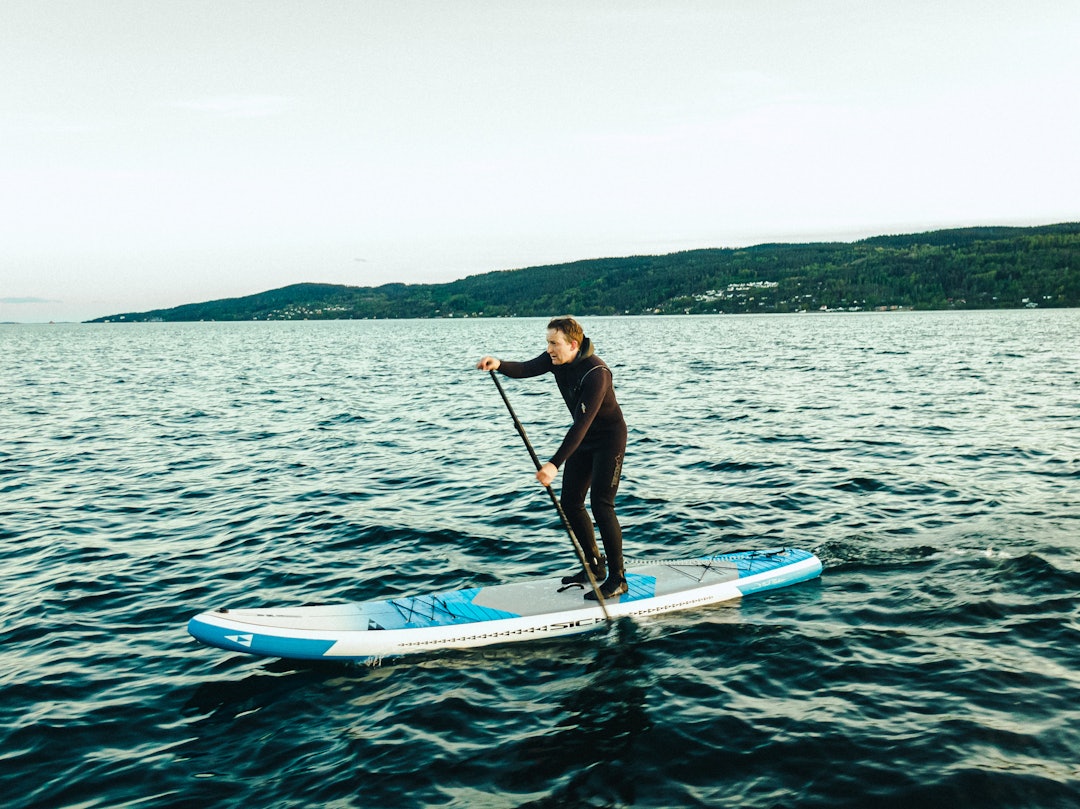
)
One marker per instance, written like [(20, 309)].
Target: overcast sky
[(160, 153)]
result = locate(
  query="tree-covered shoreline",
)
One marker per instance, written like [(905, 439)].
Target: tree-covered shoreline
[(970, 268)]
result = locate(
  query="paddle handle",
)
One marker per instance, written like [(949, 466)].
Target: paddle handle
[(554, 500)]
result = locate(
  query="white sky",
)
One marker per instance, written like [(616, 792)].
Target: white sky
[(160, 153)]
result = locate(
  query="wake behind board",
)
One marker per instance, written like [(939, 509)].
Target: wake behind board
[(458, 619)]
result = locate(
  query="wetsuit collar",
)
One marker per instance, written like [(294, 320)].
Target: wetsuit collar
[(585, 351)]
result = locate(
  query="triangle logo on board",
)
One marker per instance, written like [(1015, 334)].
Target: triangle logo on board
[(242, 640)]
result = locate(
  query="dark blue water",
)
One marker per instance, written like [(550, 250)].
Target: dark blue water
[(931, 460)]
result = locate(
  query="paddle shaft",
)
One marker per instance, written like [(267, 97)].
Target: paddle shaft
[(554, 500)]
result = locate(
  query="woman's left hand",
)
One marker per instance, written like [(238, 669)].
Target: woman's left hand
[(546, 473)]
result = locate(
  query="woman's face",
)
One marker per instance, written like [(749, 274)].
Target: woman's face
[(559, 348)]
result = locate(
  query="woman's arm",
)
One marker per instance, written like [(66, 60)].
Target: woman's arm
[(519, 370), (594, 388)]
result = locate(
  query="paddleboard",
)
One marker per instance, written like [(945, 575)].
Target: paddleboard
[(502, 613)]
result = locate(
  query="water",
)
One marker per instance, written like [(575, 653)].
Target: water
[(931, 460)]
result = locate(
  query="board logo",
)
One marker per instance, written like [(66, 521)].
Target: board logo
[(240, 640)]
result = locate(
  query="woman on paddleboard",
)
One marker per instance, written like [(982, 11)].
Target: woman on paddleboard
[(592, 451)]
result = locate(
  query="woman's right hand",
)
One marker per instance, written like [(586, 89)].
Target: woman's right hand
[(488, 364)]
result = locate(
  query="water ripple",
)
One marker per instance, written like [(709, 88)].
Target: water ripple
[(930, 460)]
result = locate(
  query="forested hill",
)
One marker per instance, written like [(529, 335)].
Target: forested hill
[(971, 268)]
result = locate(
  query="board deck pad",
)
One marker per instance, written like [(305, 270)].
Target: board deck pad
[(494, 614)]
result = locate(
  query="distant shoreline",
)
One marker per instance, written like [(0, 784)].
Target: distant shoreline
[(968, 268)]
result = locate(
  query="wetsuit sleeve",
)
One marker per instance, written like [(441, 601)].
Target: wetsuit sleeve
[(524, 370), (594, 388)]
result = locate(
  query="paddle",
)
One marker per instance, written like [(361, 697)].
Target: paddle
[(554, 499)]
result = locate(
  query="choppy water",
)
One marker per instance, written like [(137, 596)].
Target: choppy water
[(931, 460)]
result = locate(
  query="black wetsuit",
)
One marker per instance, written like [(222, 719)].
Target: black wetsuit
[(593, 448)]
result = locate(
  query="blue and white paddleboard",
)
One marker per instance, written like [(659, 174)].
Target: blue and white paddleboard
[(458, 619)]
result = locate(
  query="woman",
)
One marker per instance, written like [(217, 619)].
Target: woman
[(592, 451)]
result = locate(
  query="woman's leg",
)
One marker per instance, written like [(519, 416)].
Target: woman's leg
[(577, 475), (607, 469)]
